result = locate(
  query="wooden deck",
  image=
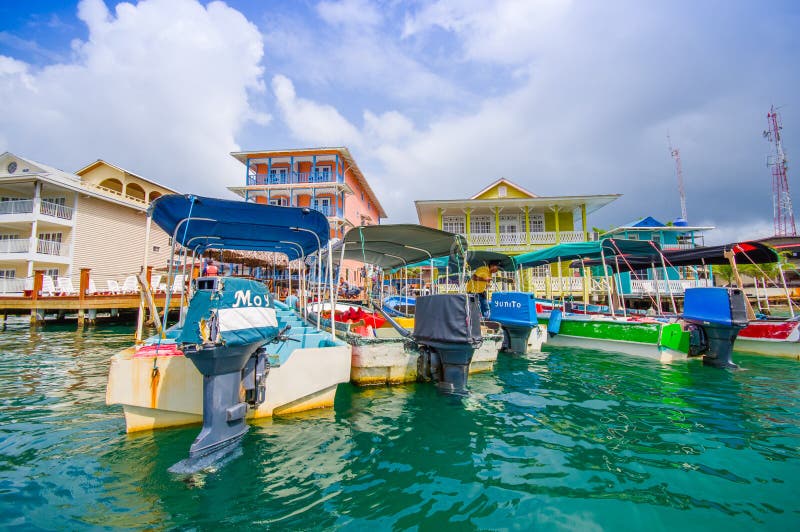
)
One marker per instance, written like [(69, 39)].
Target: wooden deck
[(85, 305)]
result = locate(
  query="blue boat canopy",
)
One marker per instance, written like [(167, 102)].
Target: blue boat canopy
[(200, 223), (608, 247)]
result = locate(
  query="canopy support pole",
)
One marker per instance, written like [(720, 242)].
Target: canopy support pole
[(319, 289), (333, 292), (140, 318), (786, 290), (617, 282), (608, 282), (658, 292), (666, 283)]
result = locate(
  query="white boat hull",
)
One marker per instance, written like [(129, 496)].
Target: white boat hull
[(394, 361), (173, 395), (651, 351)]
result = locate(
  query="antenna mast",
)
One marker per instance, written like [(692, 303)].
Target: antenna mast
[(781, 199), (676, 154)]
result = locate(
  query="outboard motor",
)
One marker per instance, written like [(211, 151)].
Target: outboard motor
[(718, 314), (227, 323), (447, 327), (516, 313)]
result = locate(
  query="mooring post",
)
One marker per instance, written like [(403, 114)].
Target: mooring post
[(82, 291), (38, 277)]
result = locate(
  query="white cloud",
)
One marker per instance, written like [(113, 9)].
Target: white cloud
[(356, 13), (752, 229), (507, 31), (390, 126), (354, 49), (311, 122), (161, 88)]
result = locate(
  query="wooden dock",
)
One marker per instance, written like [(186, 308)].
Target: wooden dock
[(85, 305)]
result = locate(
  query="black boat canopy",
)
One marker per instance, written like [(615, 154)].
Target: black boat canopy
[(744, 253), (390, 246)]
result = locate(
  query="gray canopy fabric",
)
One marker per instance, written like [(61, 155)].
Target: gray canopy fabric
[(390, 246)]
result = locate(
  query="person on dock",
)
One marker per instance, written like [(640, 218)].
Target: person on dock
[(211, 268), (479, 282)]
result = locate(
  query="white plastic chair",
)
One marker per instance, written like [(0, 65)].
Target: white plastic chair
[(64, 286), (113, 286), (48, 288), (155, 282), (92, 287), (178, 284), (130, 285)]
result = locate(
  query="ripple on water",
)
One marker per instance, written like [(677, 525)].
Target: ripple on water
[(568, 439)]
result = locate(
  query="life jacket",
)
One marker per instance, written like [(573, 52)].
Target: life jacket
[(211, 270)]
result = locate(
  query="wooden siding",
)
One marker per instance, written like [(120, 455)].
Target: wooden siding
[(110, 238)]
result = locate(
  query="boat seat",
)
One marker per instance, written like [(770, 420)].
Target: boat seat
[(283, 351)]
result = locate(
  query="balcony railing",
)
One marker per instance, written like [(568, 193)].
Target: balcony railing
[(15, 285), (117, 193), (16, 207), (667, 247), (537, 238), (56, 210), (543, 237), (293, 178), (330, 211), (51, 247), (512, 239), (676, 286), (483, 239), (15, 245), (571, 236)]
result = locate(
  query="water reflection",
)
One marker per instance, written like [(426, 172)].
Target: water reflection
[(559, 440)]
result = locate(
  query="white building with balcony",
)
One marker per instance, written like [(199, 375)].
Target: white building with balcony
[(61, 222)]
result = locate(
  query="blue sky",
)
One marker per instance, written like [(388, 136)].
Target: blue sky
[(435, 99)]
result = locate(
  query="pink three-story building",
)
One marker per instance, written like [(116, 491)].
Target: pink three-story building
[(325, 179)]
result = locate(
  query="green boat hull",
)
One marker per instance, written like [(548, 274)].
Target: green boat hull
[(659, 341)]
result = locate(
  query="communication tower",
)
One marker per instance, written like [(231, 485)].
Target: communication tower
[(676, 154), (781, 200)]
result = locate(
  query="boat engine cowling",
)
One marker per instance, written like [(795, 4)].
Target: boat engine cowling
[(516, 314), (717, 315), (447, 327), (226, 324)]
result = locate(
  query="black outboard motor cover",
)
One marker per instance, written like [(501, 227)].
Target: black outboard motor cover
[(227, 321), (516, 313), (450, 326), (721, 313)]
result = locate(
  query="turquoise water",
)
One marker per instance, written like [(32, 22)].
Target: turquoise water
[(557, 441)]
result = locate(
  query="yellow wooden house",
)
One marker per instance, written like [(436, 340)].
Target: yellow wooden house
[(507, 218)]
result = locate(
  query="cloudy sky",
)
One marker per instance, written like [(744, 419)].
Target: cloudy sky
[(435, 99)]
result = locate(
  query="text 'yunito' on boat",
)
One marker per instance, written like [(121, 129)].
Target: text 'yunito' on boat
[(764, 335), (708, 326), (443, 341), (235, 353)]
